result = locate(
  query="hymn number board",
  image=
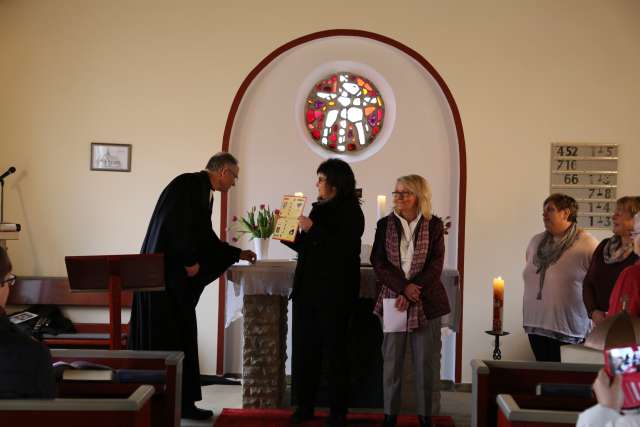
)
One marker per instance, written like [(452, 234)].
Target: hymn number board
[(589, 174)]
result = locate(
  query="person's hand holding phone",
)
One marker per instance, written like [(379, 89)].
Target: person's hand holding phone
[(609, 393)]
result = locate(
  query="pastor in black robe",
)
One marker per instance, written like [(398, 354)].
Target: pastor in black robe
[(181, 229)]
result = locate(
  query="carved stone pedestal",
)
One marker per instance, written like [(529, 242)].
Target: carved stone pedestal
[(265, 351)]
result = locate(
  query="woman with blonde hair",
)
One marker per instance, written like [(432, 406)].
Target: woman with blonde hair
[(408, 256)]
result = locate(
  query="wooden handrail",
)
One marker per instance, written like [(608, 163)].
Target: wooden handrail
[(30, 290)]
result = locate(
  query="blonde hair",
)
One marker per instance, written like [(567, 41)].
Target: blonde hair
[(421, 189), (629, 204)]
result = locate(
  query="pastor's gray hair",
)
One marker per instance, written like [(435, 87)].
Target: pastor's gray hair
[(220, 160)]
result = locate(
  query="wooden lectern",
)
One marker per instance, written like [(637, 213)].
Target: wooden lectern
[(114, 274)]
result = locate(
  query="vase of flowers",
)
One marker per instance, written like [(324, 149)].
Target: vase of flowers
[(259, 224)]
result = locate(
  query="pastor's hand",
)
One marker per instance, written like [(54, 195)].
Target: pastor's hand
[(305, 223), (192, 270), (248, 255)]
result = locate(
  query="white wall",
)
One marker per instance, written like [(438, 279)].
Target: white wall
[(274, 159), (269, 137), (161, 75)]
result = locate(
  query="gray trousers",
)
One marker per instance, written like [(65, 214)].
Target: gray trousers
[(426, 345)]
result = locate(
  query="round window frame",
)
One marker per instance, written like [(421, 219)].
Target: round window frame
[(357, 68)]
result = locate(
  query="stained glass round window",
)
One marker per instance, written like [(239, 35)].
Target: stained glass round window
[(344, 112)]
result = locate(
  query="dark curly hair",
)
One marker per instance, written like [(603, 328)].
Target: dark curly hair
[(339, 176), (562, 202)]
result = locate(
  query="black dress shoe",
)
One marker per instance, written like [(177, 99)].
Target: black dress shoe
[(424, 421), (336, 420), (389, 420), (191, 412), (301, 415)]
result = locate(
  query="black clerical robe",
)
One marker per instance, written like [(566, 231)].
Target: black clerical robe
[(181, 229)]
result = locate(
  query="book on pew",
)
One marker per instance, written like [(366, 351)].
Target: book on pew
[(81, 370), (558, 389)]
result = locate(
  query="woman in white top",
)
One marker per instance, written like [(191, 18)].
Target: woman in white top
[(556, 262)]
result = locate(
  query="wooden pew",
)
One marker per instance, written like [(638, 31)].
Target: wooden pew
[(538, 411), (133, 410), (165, 403), (30, 290), (493, 377)]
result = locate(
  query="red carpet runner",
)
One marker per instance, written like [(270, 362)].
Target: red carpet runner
[(280, 417)]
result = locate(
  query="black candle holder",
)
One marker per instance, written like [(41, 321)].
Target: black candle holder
[(497, 354)]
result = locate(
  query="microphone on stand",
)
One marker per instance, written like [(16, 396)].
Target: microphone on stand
[(2, 177), (7, 173)]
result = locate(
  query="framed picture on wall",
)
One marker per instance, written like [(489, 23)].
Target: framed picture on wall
[(110, 157)]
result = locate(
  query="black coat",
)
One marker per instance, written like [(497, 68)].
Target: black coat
[(325, 290), (181, 229), (328, 265), (25, 365)]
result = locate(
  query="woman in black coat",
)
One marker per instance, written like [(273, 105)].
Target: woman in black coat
[(326, 286)]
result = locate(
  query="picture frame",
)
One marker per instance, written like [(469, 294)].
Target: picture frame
[(110, 157)]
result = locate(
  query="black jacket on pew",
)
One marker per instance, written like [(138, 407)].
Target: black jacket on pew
[(181, 229), (25, 365)]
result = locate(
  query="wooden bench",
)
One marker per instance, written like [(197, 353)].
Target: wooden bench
[(131, 410), (165, 403), (493, 377), (538, 411), (31, 290)]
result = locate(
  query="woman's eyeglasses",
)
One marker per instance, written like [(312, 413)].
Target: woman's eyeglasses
[(10, 280), (401, 194)]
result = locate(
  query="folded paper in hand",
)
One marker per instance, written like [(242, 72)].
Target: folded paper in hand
[(287, 224), (393, 319)]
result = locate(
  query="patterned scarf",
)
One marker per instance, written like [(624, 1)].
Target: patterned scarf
[(614, 251), (415, 315), (549, 251)]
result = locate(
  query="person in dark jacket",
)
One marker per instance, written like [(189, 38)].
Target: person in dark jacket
[(611, 257), (194, 256), (325, 289), (26, 371), (408, 257)]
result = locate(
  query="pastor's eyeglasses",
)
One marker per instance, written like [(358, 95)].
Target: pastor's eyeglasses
[(9, 280)]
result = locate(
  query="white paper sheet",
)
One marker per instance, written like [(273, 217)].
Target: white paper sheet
[(393, 319)]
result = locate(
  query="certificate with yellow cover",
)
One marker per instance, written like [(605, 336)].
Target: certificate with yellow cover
[(287, 225)]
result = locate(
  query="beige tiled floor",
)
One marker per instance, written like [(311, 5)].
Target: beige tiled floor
[(217, 397)]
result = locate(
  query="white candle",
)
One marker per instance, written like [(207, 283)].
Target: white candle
[(382, 206), (298, 194)]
